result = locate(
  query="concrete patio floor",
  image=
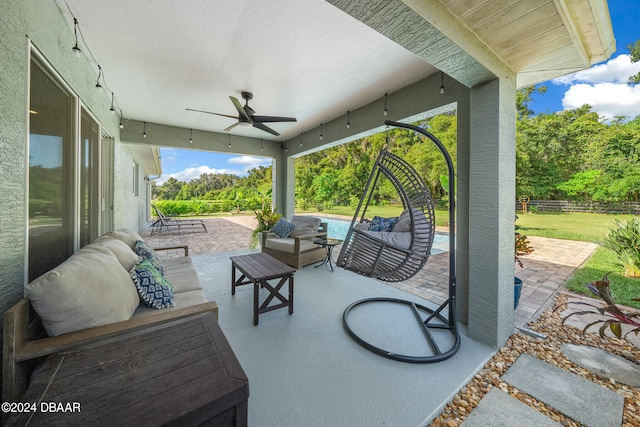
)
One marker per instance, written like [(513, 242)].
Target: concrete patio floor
[(545, 270)]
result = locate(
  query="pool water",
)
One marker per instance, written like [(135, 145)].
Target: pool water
[(337, 229)]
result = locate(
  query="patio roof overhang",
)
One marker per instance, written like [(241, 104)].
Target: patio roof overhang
[(316, 59)]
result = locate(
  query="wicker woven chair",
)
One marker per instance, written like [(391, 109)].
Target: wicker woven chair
[(380, 255)]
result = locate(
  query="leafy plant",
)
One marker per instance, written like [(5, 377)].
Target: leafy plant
[(267, 217), (522, 247), (614, 317), (625, 242)]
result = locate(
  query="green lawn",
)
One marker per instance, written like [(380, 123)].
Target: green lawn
[(586, 227)]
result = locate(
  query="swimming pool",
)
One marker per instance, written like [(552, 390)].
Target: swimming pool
[(338, 228)]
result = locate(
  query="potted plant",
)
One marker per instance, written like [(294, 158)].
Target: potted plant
[(522, 247), (267, 217)]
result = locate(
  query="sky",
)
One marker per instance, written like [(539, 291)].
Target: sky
[(603, 86)]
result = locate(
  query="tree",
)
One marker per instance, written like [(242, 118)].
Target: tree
[(635, 57)]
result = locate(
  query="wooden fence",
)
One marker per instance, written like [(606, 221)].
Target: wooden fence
[(567, 206)]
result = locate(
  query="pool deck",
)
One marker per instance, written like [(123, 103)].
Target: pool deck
[(544, 273)]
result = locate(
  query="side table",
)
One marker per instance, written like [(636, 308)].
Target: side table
[(328, 244), (259, 269)]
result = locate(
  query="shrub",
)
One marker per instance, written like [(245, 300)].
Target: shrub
[(625, 242)]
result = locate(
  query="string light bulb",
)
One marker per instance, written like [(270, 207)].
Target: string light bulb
[(301, 140), (441, 82), (229, 141), (320, 130), (121, 118), (386, 95), (76, 50), (348, 119), (144, 129), (98, 85), (113, 110), (261, 145), (190, 136)]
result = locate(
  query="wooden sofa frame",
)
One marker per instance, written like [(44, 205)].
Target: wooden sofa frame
[(25, 341)]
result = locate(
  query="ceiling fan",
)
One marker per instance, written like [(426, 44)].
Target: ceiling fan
[(246, 115)]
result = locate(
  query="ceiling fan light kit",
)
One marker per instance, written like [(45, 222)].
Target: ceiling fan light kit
[(247, 116)]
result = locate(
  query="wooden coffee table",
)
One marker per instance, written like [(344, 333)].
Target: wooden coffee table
[(259, 269)]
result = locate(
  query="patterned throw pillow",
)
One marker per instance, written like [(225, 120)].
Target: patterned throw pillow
[(283, 228), (382, 224), (147, 252), (154, 290)]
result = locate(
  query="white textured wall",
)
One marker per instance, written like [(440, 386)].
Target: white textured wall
[(41, 22)]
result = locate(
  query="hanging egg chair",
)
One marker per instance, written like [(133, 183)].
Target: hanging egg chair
[(398, 252)]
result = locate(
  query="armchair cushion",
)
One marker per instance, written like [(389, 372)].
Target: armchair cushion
[(304, 225), (288, 245)]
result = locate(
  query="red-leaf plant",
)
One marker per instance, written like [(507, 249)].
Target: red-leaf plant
[(614, 317)]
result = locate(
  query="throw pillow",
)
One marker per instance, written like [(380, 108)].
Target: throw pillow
[(89, 289), (382, 224), (283, 228), (147, 252), (305, 225), (404, 222), (154, 290)]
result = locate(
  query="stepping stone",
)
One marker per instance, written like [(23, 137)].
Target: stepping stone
[(577, 398), (603, 363), (497, 408)]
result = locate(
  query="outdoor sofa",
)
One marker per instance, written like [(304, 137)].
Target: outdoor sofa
[(89, 297)]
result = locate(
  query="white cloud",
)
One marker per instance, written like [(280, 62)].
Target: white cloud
[(607, 99), (245, 163), (250, 161), (605, 88), (615, 70)]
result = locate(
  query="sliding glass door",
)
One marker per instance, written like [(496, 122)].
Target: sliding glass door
[(51, 112)]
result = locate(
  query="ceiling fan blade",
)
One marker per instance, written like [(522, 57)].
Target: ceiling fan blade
[(265, 128), (272, 119), (232, 126), (240, 109), (209, 112)]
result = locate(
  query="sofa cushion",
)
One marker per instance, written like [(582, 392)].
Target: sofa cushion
[(288, 244), (122, 252), (184, 299), (382, 224), (126, 235), (182, 275), (147, 252), (283, 228), (89, 289), (304, 225), (154, 290)]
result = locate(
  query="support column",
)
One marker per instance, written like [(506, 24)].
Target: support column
[(284, 184), (491, 211)]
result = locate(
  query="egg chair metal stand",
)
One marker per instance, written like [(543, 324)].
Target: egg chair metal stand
[(371, 255)]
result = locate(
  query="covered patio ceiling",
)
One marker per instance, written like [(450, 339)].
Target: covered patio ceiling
[(315, 59)]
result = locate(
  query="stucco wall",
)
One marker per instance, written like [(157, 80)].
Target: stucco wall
[(42, 22)]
